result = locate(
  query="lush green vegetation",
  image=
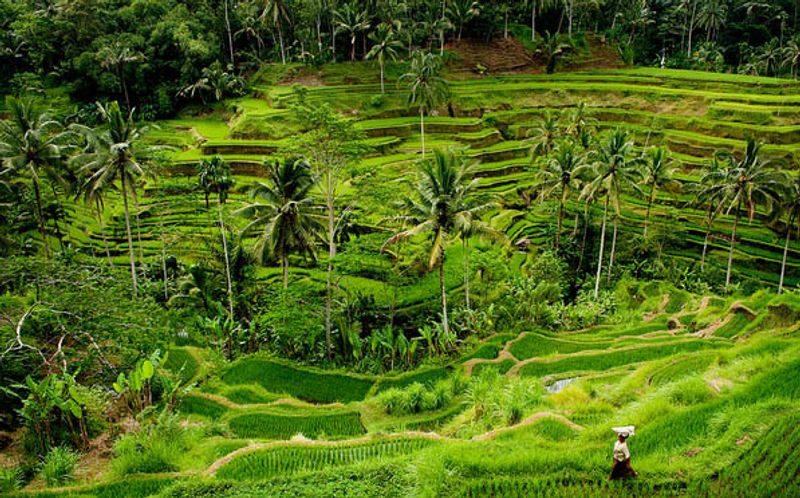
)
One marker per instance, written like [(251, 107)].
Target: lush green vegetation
[(295, 248)]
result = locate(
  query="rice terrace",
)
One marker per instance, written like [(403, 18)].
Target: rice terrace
[(434, 248)]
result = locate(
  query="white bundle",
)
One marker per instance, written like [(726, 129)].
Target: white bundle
[(626, 431)]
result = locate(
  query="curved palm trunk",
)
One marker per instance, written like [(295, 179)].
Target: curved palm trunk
[(533, 22), (466, 272), (103, 232), (130, 235), (329, 276), (228, 27), (585, 234), (40, 215), (227, 258), (280, 39), (382, 71), (602, 247), (445, 324), (560, 218), (649, 206), (138, 225), (785, 254), (613, 248), (733, 245), (422, 129), (709, 226)]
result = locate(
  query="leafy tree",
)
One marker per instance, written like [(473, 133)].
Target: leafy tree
[(444, 205), (276, 12), (32, 145), (543, 136), (658, 168), (712, 16), (385, 45), (461, 12), (552, 48), (789, 206), (284, 208), (743, 183), (427, 89), (352, 20), (558, 178), (216, 81), (614, 170), (116, 153), (118, 56), (791, 55)]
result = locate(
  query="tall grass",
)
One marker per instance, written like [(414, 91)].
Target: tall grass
[(275, 426)]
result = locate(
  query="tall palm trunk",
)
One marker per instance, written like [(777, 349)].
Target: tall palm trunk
[(227, 258), (228, 27), (445, 324), (785, 253), (331, 254), (382, 85), (466, 271), (138, 224), (121, 71), (602, 247), (280, 40), (649, 206), (285, 267), (130, 235), (709, 226), (613, 248), (103, 232), (733, 245), (422, 129), (40, 218), (560, 217), (533, 21)]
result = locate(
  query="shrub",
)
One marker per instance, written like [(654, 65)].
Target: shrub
[(691, 391), (58, 466), (156, 447), (418, 397), (10, 479)]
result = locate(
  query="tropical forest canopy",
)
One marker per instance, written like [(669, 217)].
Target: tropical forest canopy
[(311, 248)]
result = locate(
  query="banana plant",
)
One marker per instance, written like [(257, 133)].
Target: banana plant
[(135, 388)]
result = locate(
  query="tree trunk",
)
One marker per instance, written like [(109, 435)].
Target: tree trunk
[(613, 248), (505, 25), (103, 233), (560, 217), (285, 265), (353, 49), (785, 254), (40, 215), (130, 235), (466, 271), (138, 224), (331, 254), (647, 214), (585, 234), (602, 247), (705, 250), (383, 91), (280, 39), (124, 88), (445, 325), (422, 129), (533, 21), (733, 245), (227, 258), (230, 35), (691, 30)]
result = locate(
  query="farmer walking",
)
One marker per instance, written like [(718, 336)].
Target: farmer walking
[(622, 456)]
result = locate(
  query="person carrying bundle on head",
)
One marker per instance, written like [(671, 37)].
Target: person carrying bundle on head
[(622, 456)]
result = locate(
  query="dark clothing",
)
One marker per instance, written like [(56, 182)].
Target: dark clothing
[(622, 470)]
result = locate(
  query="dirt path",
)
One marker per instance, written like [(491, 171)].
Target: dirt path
[(503, 355), (649, 317), (282, 401)]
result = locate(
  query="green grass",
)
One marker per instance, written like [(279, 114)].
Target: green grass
[(126, 488), (199, 405), (288, 460), (425, 376), (307, 384), (280, 426)]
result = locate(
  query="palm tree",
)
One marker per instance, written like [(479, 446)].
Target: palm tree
[(789, 205), (277, 12), (558, 177), (215, 175), (114, 153), (712, 16), (385, 45), (32, 145), (117, 56), (552, 48), (427, 88), (444, 205), (579, 123), (543, 137), (770, 57), (216, 81), (791, 54), (745, 182), (352, 20), (283, 206), (461, 12), (537, 5), (658, 170), (614, 170)]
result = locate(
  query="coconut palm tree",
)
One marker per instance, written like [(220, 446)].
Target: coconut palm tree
[(461, 12), (385, 45), (743, 182), (552, 48), (791, 55), (32, 145), (283, 207), (113, 154), (351, 20), (542, 138), (558, 177), (214, 175), (276, 12), (614, 170), (789, 206), (658, 168), (426, 87), (712, 17), (118, 56), (444, 205)]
